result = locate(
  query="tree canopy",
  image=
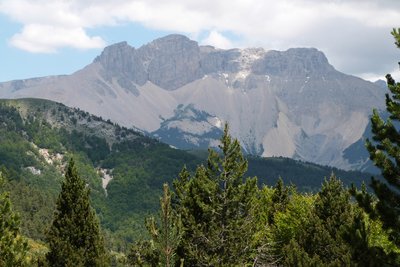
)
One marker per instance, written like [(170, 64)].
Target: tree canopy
[(13, 247), (74, 237)]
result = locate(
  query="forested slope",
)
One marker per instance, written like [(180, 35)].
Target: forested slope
[(37, 137)]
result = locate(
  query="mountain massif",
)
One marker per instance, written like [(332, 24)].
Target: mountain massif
[(291, 103)]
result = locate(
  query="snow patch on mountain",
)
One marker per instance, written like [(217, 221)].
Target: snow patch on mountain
[(245, 61)]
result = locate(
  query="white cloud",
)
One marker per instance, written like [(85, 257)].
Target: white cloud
[(45, 39), (217, 40), (348, 31)]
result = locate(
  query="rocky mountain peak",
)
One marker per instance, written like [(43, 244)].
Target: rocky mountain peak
[(171, 42), (120, 60), (174, 61), (171, 61), (291, 103), (294, 62), (114, 53), (381, 83)]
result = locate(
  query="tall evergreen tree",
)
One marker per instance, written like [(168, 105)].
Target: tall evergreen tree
[(280, 199), (74, 237), (13, 247), (168, 234), (216, 207), (321, 242), (384, 151)]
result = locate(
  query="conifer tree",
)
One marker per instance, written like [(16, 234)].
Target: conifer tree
[(74, 237), (321, 242), (384, 151), (280, 199), (216, 207), (167, 235), (143, 253), (13, 247)]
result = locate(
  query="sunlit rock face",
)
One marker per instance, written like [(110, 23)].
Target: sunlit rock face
[(278, 103)]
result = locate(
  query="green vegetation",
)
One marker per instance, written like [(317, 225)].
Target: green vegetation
[(384, 151), (214, 211), (74, 237), (307, 177), (219, 195), (229, 221), (320, 241), (215, 215), (166, 237), (13, 247), (37, 138)]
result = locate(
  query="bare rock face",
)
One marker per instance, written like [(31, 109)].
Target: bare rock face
[(293, 63), (172, 61), (168, 62), (278, 103), (121, 61)]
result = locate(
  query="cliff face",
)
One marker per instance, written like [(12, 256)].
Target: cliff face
[(279, 103)]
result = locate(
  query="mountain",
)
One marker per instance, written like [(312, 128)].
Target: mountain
[(279, 103)]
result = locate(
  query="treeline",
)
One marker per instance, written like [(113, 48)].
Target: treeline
[(139, 166), (214, 216), (217, 217)]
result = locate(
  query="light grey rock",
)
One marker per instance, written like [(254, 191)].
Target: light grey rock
[(278, 103), (172, 61), (121, 60)]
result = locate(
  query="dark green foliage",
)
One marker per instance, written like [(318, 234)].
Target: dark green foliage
[(306, 176), (139, 166), (296, 256), (321, 242), (74, 237), (168, 234), (288, 223), (165, 237), (13, 247), (358, 237), (216, 208), (143, 253), (227, 221), (384, 151), (279, 200), (36, 208), (95, 147)]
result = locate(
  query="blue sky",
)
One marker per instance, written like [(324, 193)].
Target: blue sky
[(21, 64), (41, 37)]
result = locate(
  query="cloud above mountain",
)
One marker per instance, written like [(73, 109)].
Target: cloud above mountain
[(354, 34)]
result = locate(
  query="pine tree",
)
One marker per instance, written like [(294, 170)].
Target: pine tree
[(321, 242), (384, 151), (13, 247), (143, 253), (216, 207), (167, 235), (280, 199), (74, 237), (358, 237)]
